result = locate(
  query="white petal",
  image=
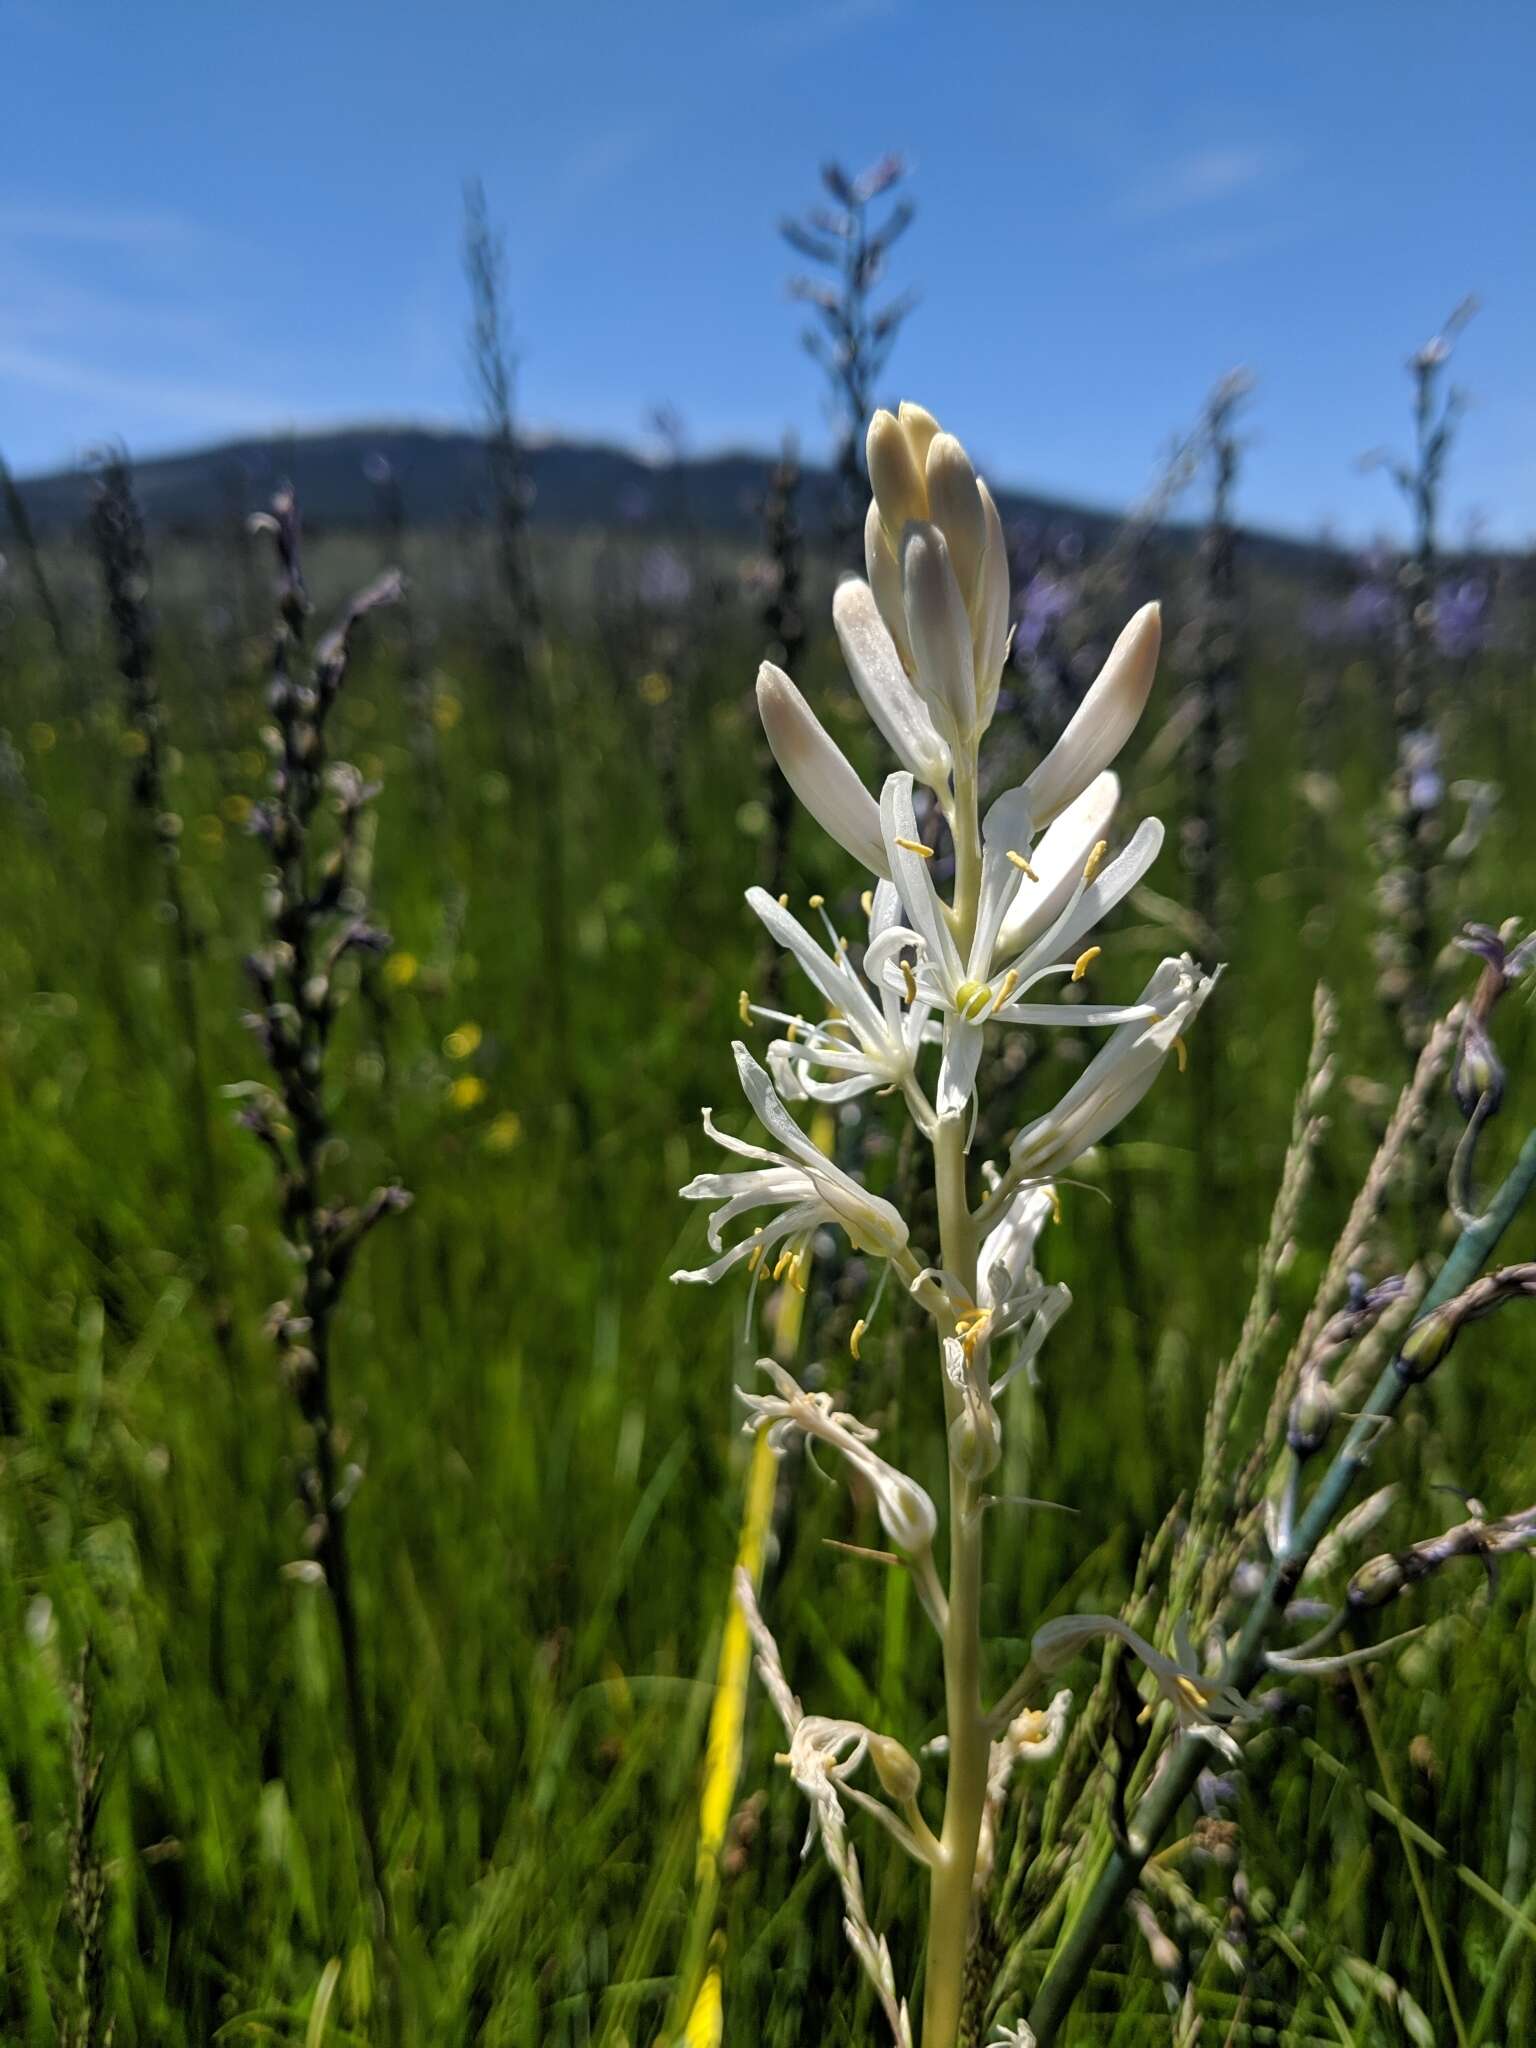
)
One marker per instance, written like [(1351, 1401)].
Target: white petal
[(909, 871), (1059, 860), (1105, 719), (957, 1073), (817, 769), (884, 685), (1006, 829), (838, 983)]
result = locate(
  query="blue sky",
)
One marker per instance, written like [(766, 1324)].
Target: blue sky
[(221, 218)]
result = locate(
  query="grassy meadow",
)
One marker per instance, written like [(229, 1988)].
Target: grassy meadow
[(549, 1470)]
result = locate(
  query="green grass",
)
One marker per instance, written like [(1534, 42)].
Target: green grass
[(544, 1531)]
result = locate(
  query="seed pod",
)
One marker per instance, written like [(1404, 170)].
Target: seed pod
[(1311, 1417), (1427, 1343), (1378, 1580), (895, 1767)]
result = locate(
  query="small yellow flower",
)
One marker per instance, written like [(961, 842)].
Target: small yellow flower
[(467, 1091), (132, 742), (401, 969), (461, 1043), (236, 807), (654, 688), (504, 1131), (446, 712)]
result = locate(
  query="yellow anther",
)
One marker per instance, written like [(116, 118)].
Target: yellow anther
[(856, 1337), (754, 1258), (910, 979), (792, 1031), (784, 901), (744, 1007), (1197, 1695), (867, 903), (1094, 859), (1084, 961), (1022, 865), (1183, 1052), (1055, 1206), (785, 1260), (1005, 989), (799, 1268), (916, 846), (817, 902), (973, 999)]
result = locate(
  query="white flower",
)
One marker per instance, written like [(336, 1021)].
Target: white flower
[(1197, 1702), (806, 1187), (907, 1514), (1019, 2035), (871, 1039), (973, 992), (1118, 1075), (817, 769), (1105, 719)]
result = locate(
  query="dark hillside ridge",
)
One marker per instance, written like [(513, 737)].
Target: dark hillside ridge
[(442, 479)]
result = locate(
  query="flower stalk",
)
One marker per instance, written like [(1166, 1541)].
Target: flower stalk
[(925, 640)]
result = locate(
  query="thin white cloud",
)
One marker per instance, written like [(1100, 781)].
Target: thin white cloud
[(1204, 177), (169, 398), (25, 220), (1215, 251)]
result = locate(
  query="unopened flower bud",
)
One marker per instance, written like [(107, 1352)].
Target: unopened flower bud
[(955, 506), (1378, 1580), (817, 770), (919, 426), (894, 474), (1427, 1344), (895, 1767), (940, 632), (1311, 1418), (884, 575), (1479, 1072)]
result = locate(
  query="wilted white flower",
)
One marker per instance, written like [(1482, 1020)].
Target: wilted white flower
[(907, 1515), (1198, 1703), (806, 1187)]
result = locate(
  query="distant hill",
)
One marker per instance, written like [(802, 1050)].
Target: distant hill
[(442, 480)]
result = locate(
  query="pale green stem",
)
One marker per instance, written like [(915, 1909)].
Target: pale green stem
[(952, 1883)]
